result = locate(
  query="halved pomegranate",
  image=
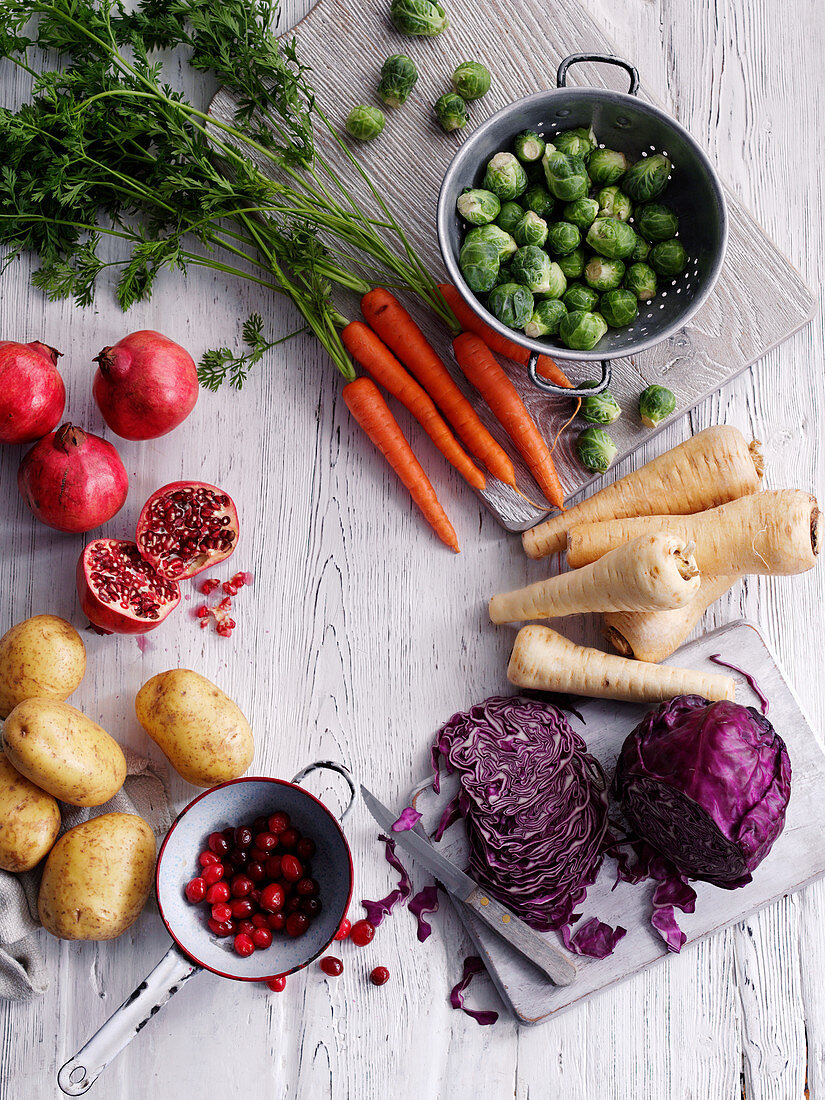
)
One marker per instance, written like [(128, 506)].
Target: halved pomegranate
[(119, 591), (186, 527)]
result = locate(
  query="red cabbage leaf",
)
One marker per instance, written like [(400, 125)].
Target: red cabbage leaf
[(594, 938), (425, 901), (472, 966), (377, 910)]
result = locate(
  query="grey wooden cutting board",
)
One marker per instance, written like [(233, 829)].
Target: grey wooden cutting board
[(345, 42), (796, 859)]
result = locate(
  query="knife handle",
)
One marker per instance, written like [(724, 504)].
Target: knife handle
[(528, 943)]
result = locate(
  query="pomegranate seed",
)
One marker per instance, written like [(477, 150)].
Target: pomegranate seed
[(225, 605), (212, 873), (380, 975), (276, 921), (305, 848), (289, 838), (262, 938), (241, 885), (241, 907), (209, 585), (221, 928), (362, 933), (272, 867), (257, 855), (278, 822), (217, 892), (291, 868), (225, 629), (243, 945), (296, 924), (255, 871), (229, 588), (266, 841), (202, 612), (243, 837), (240, 579), (221, 913), (311, 906), (218, 843), (272, 897), (331, 966), (245, 926), (195, 890), (205, 858), (277, 985), (293, 904), (343, 929), (204, 622), (306, 887), (259, 920)]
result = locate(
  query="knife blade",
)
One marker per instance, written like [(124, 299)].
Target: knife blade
[(532, 945)]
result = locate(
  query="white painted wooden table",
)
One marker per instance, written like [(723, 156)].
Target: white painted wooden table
[(362, 634)]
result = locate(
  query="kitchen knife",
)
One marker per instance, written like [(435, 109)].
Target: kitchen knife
[(528, 943)]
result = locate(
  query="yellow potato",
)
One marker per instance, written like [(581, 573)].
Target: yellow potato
[(202, 732), (97, 878), (29, 820), (43, 657), (64, 752)]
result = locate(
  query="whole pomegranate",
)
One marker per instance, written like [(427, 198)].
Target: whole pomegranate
[(32, 394), (145, 385), (73, 480), (186, 527), (120, 593)]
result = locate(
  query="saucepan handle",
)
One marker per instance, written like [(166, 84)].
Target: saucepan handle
[(602, 58), (560, 391), (332, 766), (80, 1073)]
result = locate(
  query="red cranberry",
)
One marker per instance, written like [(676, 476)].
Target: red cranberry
[(221, 913), (205, 858), (272, 897), (241, 885), (266, 841), (277, 985), (380, 975), (291, 868), (245, 926), (332, 966), (272, 867), (229, 833), (276, 921), (296, 924), (212, 873), (236, 857), (243, 837), (259, 825), (289, 838), (195, 890), (293, 904), (311, 906), (243, 945), (343, 929), (242, 907), (259, 920), (255, 871), (305, 848), (218, 843), (221, 928), (278, 822), (362, 933), (262, 938), (257, 855), (306, 887), (218, 891)]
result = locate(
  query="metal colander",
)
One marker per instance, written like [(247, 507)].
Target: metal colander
[(620, 121)]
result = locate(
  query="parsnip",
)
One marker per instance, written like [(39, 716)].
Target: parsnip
[(775, 532), (653, 636), (714, 466), (546, 661), (650, 573)]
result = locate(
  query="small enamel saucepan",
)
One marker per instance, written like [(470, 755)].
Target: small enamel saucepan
[(195, 948)]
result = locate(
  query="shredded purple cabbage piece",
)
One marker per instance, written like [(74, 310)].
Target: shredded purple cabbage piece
[(472, 966), (672, 894), (764, 701), (377, 910), (425, 901), (408, 819), (594, 938)]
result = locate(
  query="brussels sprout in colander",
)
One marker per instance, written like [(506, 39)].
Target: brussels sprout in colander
[(573, 263), (563, 237), (509, 216), (619, 307), (647, 178), (579, 297), (477, 206), (505, 244), (668, 258), (512, 303), (656, 222), (566, 175), (614, 203), (602, 273), (606, 166), (479, 265), (529, 146), (538, 199), (531, 229), (641, 279), (582, 213), (546, 318)]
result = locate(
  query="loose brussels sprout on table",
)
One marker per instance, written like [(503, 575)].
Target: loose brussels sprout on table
[(582, 213), (656, 404), (419, 17), (656, 222), (533, 268), (477, 206), (596, 450), (546, 318), (601, 408), (611, 237), (563, 237), (512, 303), (471, 80), (606, 166), (529, 146), (614, 203), (398, 77), (641, 279), (576, 143), (647, 178), (538, 199), (566, 175), (531, 229), (509, 216), (573, 263), (668, 258), (602, 273), (451, 112), (479, 265), (619, 307), (505, 177), (503, 242), (364, 123), (580, 297)]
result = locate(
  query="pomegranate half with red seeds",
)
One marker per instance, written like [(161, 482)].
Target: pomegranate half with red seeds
[(32, 394), (186, 527), (120, 593)]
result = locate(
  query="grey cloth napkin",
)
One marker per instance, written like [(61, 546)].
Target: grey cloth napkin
[(22, 968)]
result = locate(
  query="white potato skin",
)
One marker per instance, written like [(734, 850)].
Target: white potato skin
[(29, 820), (42, 657)]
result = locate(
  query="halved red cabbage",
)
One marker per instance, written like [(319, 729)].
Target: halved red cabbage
[(472, 966)]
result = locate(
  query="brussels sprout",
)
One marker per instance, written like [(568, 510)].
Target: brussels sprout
[(419, 17), (478, 207), (573, 263), (595, 448), (668, 258), (611, 237), (364, 123), (604, 274), (471, 80), (535, 172), (641, 279), (582, 330), (640, 251), (647, 178), (529, 146), (582, 213), (566, 176), (619, 307), (505, 177), (505, 275), (538, 199), (656, 403), (504, 243), (556, 283), (606, 166), (398, 77), (512, 303), (614, 203), (509, 216), (601, 408), (563, 237), (580, 298), (546, 318), (451, 112), (576, 143), (656, 222), (533, 268), (479, 264), (531, 230)]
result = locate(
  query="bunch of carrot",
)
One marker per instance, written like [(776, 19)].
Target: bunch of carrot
[(394, 351)]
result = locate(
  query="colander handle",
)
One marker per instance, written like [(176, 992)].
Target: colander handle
[(560, 391), (332, 766), (607, 59)]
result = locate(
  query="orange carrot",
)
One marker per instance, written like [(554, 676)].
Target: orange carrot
[(388, 318), (481, 368), (369, 408), (471, 322), (362, 343)]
